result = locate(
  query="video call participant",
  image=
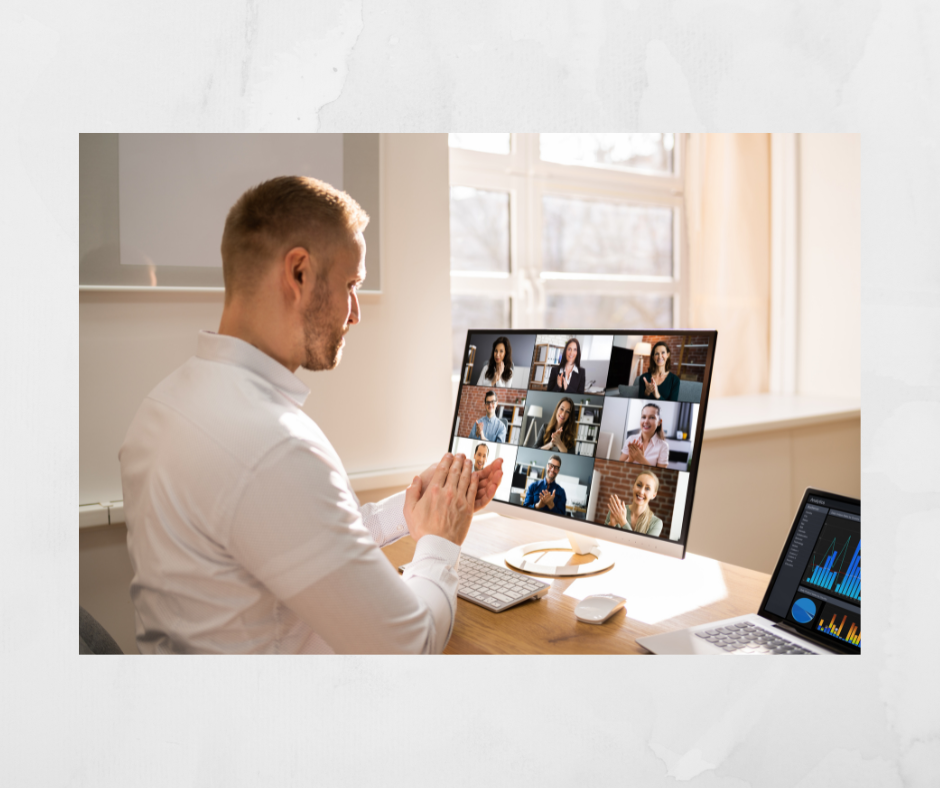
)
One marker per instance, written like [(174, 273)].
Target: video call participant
[(244, 533), (650, 447), (498, 371), (659, 382), (637, 517), (489, 428), (568, 376), (480, 453), (560, 431), (545, 494)]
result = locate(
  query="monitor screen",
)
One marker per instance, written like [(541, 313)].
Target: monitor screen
[(601, 428), (817, 585)]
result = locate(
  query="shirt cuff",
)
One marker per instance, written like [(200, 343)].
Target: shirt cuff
[(385, 520), (439, 548)]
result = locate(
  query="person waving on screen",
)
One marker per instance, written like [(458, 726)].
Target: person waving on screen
[(559, 434), (649, 447), (498, 370), (659, 382), (568, 376), (546, 494), (637, 516)]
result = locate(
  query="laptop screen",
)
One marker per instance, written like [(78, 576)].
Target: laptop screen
[(817, 585)]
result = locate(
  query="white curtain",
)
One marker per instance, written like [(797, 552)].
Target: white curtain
[(727, 194)]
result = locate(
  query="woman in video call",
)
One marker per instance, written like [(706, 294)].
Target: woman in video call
[(659, 382), (637, 516), (650, 447), (498, 371), (560, 432), (568, 376)]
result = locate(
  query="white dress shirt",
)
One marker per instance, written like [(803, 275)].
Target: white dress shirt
[(244, 532), (656, 451), (499, 383), (567, 376)]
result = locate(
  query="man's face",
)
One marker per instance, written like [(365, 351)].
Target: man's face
[(479, 457), (334, 305), (490, 403), (552, 470)]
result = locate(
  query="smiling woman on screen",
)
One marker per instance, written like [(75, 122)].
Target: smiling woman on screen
[(498, 370), (659, 382), (650, 446), (569, 375), (637, 516), (560, 432)]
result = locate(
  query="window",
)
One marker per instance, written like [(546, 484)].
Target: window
[(566, 231)]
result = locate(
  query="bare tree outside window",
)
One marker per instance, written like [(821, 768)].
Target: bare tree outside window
[(586, 236), (644, 152), (479, 230), (566, 231), (586, 310)]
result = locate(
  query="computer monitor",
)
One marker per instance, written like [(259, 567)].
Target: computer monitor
[(600, 432)]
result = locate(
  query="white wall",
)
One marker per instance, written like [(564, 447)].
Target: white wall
[(385, 408), (829, 340)]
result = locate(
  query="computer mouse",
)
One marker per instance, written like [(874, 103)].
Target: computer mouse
[(597, 608)]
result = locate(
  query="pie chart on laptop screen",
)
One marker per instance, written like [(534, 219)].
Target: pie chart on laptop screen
[(803, 610)]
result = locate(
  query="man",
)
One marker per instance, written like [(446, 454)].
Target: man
[(546, 494), (489, 428), (244, 532), (480, 453)]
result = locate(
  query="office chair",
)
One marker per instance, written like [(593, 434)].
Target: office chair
[(92, 637)]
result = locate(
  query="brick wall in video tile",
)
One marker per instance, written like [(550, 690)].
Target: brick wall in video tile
[(472, 408), (618, 478)]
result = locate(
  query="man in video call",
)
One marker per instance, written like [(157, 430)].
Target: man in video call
[(244, 532), (480, 453), (489, 428), (546, 494)]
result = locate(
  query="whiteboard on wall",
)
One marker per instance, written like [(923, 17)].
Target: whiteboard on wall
[(153, 206)]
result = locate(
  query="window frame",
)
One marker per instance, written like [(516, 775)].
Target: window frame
[(526, 178)]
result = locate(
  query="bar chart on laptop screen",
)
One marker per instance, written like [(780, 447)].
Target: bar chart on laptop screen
[(836, 563), (845, 625)]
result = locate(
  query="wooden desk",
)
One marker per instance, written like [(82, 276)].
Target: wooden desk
[(662, 594)]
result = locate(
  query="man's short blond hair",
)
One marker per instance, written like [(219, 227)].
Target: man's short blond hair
[(278, 215)]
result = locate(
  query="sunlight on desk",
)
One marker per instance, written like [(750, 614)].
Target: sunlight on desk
[(656, 588), (662, 594)]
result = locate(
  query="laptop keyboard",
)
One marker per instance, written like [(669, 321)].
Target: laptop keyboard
[(746, 638)]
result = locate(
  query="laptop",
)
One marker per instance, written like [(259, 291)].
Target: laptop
[(813, 604)]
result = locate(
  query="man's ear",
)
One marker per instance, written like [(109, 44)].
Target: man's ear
[(297, 273)]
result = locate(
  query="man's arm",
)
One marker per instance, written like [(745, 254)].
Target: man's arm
[(530, 496), (385, 519), (560, 500), (297, 528), (500, 432)]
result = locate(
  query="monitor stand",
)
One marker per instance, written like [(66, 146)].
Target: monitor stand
[(582, 545)]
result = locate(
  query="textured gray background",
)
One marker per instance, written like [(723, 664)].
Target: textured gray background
[(526, 66)]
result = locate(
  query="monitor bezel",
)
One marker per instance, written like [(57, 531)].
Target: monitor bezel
[(675, 549)]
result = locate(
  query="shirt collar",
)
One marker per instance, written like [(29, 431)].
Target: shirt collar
[(231, 350)]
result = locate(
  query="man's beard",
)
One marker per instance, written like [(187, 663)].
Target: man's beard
[(323, 345)]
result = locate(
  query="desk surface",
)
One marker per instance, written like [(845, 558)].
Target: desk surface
[(662, 594)]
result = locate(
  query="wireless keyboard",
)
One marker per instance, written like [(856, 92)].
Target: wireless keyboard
[(494, 587)]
